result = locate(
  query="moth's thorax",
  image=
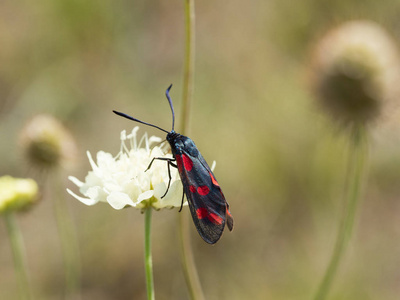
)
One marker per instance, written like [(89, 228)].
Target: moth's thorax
[(180, 143), (172, 136)]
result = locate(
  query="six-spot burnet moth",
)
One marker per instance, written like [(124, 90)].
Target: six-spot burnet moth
[(207, 203)]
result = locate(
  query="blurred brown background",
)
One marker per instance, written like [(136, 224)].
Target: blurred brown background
[(280, 161)]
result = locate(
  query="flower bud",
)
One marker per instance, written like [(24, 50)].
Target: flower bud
[(46, 142)]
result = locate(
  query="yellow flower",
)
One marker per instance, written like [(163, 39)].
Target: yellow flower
[(17, 194)]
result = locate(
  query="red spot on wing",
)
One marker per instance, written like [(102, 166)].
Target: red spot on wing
[(192, 189), (202, 213), (213, 218), (228, 212), (179, 162), (187, 162), (203, 190), (214, 181)]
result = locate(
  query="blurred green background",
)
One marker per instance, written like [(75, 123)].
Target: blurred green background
[(280, 161)]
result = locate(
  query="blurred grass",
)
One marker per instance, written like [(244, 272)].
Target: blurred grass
[(279, 161)]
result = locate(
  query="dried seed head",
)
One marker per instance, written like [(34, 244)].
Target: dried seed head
[(355, 72), (46, 142)]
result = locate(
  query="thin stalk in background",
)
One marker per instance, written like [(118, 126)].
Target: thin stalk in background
[(354, 180), (68, 239), (18, 250), (188, 68), (148, 262), (188, 264)]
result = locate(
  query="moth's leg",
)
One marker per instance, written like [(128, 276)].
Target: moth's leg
[(183, 196), (170, 178), (169, 163), (159, 158)]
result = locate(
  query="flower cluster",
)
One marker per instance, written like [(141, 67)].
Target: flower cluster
[(123, 180), (17, 194)]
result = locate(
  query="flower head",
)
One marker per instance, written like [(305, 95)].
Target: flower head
[(17, 194), (123, 180), (46, 142), (356, 70)]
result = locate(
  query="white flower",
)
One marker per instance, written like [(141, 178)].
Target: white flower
[(122, 181)]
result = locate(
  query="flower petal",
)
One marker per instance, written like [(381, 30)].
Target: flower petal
[(76, 181), (123, 135), (172, 199), (96, 193), (154, 139), (146, 195), (119, 200), (91, 161), (86, 201)]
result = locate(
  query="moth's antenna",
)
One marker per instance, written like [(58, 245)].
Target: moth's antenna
[(170, 105), (136, 120)]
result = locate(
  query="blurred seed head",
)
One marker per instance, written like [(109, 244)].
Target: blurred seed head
[(46, 142), (356, 72), (17, 194)]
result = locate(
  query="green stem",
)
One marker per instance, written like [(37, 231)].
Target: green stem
[(20, 265), (68, 239), (354, 179), (148, 263), (188, 69), (188, 264)]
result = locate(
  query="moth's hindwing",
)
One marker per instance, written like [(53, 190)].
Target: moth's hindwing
[(207, 203)]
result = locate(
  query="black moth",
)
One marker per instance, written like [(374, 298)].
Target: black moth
[(207, 203)]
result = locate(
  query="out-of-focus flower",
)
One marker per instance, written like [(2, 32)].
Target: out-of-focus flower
[(17, 194), (123, 180), (356, 72), (46, 142)]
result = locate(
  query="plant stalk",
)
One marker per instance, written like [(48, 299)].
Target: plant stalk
[(188, 68), (188, 264), (69, 243), (148, 262), (19, 256), (354, 179)]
